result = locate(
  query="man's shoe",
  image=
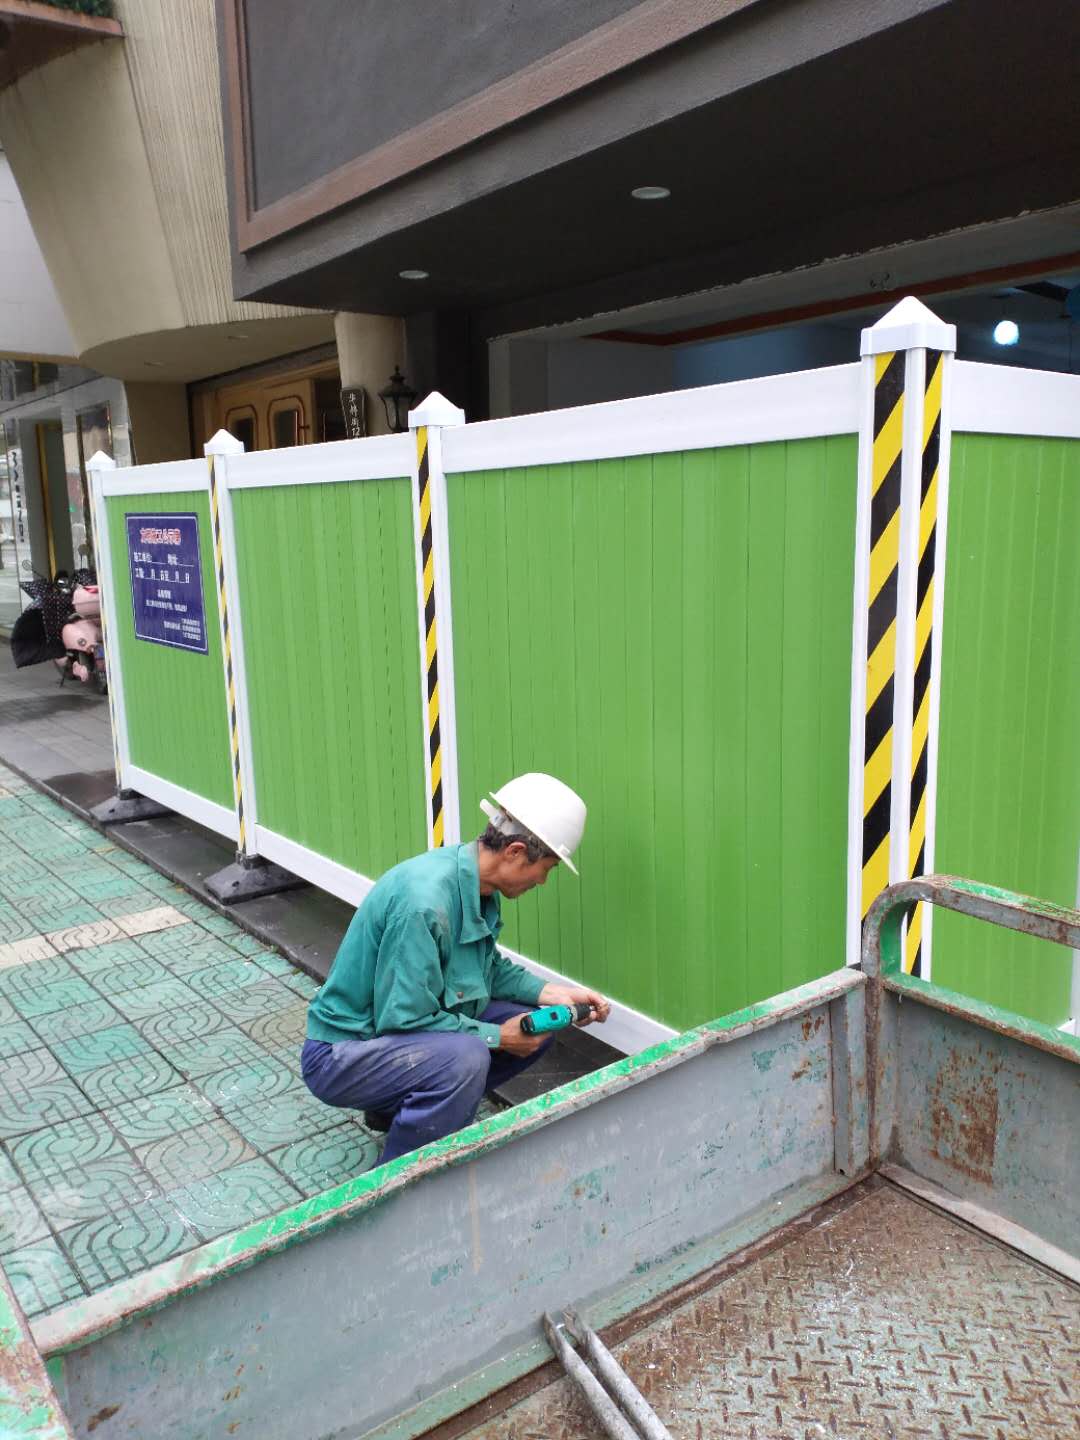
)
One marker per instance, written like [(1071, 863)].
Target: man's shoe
[(378, 1120)]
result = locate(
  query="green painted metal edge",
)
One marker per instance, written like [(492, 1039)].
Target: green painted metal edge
[(791, 1204), (89, 1319), (28, 1403), (992, 1017)]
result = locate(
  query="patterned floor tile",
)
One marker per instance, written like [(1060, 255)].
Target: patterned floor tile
[(303, 985), (195, 1154), (45, 1104), (21, 1221), (29, 1069), (219, 924), (209, 1054), (169, 995), (46, 997), (193, 1020), (295, 1115), (126, 1079), (144, 922), (227, 976), (84, 1053), (234, 1197), (135, 901), (13, 926), (120, 980), (50, 917), (282, 1030), (157, 1117), (58, 1147), (265, 997), (319, 1162), (9, 1176), (128, 1241), (245, 944), (86, 1192), (77, 1020), (19, 952), (265, 1080), (95, 958), (83, 935), (108, 883), (42, 1277), (8, 1013), (16, 1037)]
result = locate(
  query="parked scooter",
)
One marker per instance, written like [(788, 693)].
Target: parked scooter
[(63, 625)]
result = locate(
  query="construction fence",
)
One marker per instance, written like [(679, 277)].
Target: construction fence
[(791, 639)]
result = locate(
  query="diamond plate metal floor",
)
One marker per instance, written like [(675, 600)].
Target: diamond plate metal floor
[(885, 1321)]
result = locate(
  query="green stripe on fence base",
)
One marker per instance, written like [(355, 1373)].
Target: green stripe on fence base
[(174, 699), (328, 608), (672, 636)]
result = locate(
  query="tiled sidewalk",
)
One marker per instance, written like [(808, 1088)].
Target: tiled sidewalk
[(150, 1095)]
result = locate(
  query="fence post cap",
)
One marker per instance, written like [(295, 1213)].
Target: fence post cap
[(223, 444), (908, 326), (100, 461), (436, 410)]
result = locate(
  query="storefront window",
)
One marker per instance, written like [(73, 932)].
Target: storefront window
[(14, 533), (94, 431)]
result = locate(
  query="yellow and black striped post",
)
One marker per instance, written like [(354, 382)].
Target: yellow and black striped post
[(881, 623), (903, 479), (226, 645), (924, 644), (436, 816)]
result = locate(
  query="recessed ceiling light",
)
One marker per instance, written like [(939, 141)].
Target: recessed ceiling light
[(651, 192), (1006, 332), (413, 274)]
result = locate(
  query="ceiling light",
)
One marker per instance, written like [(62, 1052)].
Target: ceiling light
[(651, 192), (1006, 332), (413, 274), (236, 336), (156, 364)]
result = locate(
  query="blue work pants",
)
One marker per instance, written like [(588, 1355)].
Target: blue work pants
[(430, 1081)]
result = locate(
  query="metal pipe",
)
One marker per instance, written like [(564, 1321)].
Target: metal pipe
[(597, 1398), (616, 1379)]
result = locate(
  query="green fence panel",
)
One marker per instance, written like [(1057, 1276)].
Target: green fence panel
[(174, 700), (331, 644), (1009, 763), (671, 635)]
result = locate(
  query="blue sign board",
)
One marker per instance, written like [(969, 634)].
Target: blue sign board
[(166, 580)]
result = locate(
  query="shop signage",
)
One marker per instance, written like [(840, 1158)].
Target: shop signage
[(166, 580), (354, 408)]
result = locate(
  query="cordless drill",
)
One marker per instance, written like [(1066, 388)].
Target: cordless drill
[(553, 1017)]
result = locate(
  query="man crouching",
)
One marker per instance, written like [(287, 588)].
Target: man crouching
[(421, 1014)]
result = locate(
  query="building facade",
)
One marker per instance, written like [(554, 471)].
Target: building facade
[(572, 203)]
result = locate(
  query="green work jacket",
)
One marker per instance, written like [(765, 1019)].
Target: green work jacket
[(420, 955)]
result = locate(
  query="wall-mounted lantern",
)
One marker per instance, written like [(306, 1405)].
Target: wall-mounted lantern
[(397, 399)]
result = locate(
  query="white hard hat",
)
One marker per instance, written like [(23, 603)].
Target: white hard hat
[(544, 806)]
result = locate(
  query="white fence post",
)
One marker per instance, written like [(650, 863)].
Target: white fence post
[(432, 548), (903, 456), (217, 450)]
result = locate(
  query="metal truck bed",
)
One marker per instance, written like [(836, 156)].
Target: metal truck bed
[(878, 1316), (754, 1200)]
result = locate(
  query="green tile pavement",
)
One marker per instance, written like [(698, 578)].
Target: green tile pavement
[(150, 1095)]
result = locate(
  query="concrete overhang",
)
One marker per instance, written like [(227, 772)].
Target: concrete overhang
[(32, 34), (195, 352)]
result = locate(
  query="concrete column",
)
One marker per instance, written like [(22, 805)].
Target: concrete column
[(369, 346)]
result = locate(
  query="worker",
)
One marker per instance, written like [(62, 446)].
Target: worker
[(421, 1014)]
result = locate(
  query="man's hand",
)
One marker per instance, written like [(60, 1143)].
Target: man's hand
[(599, 1008), (514, 1041)]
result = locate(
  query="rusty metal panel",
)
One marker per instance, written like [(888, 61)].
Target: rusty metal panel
[(990, 1118), (885, 1319), (628, 1190)]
